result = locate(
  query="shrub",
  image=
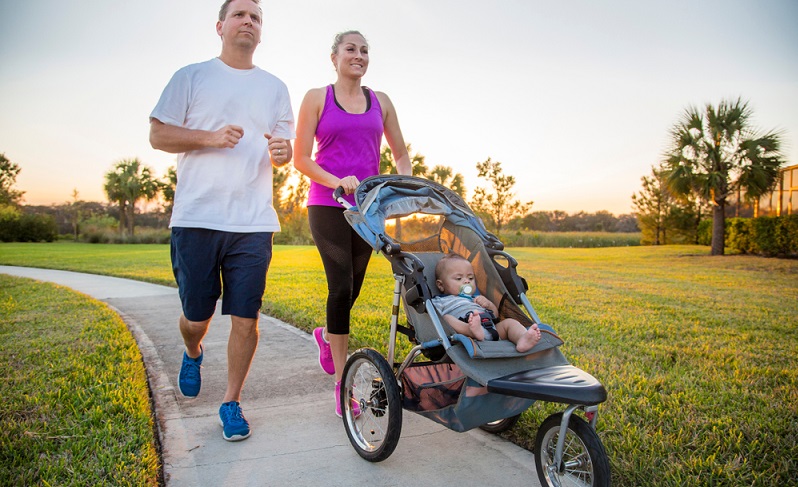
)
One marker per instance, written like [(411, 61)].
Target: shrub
[(704, 236), (738, 236), (765, 235), (16, 226)]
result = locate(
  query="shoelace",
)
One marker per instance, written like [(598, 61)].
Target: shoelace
[(190, 371), (234, 415)]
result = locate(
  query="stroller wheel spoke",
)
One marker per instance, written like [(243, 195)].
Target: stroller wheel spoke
[(374, 430)]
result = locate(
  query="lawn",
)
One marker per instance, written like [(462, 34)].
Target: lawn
[(76, 407), (698, 353)]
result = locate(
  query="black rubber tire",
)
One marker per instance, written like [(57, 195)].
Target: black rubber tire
[(584, 462), (501, 425), (369, 381)]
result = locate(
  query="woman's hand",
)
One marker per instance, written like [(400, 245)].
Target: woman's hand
[(349, 183)]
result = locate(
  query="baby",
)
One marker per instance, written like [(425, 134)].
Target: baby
[(472, 314)]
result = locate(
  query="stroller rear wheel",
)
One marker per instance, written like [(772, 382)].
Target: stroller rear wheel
[(501, 425), (373, 415), (584, 461)]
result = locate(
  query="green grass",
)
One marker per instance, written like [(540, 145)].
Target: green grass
[(528, 238), (75, 403), (698, 353)]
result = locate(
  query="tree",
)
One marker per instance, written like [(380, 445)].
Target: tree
[(388, 164), (167, 187), (652, 204), (75, 214), (715, 151), (8, 178), (497, 205), (445, 176), (126, 184)]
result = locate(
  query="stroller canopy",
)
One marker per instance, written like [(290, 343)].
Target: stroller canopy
[(384, 197)]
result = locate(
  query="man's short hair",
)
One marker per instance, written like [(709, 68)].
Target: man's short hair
[(226, 4)]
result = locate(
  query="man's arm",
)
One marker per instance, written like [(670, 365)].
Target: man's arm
[(174, 139)]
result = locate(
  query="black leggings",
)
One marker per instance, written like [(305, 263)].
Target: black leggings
[(345, 257)]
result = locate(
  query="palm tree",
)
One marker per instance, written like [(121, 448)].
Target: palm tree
[(126, 184), (445, 176), (388, 166), (715, 151)]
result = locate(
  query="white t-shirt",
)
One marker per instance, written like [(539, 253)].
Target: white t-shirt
[(226, 189)]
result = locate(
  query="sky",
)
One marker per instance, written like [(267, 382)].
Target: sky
[(575, 97)]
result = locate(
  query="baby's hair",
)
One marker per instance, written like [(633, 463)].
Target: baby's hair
[(444, 262), (339, 38)]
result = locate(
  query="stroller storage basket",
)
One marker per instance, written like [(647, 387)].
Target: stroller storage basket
[(442, 393)]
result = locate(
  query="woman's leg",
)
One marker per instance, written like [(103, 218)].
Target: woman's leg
[(341, 251)]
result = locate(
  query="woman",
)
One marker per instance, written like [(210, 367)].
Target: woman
[(347, 121)]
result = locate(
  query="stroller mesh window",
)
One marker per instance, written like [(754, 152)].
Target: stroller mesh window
[(429, 386)]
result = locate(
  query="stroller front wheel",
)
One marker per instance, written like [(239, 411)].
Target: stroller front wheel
[(371, 405), (584, 461)]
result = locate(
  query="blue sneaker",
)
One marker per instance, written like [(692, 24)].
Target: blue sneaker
[(189, 381), (235, 425)]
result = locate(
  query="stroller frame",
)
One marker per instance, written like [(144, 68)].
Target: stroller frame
[(371, 383)]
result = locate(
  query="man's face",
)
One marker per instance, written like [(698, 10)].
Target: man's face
[(242, 25)]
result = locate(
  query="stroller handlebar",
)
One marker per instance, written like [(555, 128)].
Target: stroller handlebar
[(338, 195)]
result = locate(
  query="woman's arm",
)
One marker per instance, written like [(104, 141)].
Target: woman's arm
[(393, 134)]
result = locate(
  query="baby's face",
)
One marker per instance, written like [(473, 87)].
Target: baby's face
[(454, 275)]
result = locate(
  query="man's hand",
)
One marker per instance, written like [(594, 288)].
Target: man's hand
[(226, 137), (279, 149)]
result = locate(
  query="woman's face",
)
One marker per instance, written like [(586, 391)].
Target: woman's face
[(352, 57)]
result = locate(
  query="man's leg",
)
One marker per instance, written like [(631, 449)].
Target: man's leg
[(193, 332), (241, 348)]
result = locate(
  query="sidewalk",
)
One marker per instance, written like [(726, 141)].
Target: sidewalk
[(296, 437)]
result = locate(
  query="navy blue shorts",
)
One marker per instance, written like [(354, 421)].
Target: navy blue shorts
[(210, 263)]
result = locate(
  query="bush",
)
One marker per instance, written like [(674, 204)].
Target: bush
[(765, 235), (16, 226), (737, 235), (704, 236)]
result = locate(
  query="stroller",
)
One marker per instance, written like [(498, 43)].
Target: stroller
[(450, 378)]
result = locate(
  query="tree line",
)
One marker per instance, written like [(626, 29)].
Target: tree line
[(129, 183), (714, 152)]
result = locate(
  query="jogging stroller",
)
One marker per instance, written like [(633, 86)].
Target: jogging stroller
[(449, 378)]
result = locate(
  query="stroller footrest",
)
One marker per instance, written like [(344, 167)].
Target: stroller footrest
[(561, 383)]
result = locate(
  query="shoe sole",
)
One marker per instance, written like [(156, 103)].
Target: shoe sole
[(234, 437), (318, 347)]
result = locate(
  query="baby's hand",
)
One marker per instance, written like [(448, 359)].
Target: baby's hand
[(482, 301)]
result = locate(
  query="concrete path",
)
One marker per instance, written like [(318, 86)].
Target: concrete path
[(296, 437)]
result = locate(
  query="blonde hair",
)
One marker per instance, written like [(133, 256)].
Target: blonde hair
[(339, 38)]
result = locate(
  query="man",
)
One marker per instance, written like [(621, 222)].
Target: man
[(228, 121)]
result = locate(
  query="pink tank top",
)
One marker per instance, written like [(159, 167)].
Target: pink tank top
[(348, 145)]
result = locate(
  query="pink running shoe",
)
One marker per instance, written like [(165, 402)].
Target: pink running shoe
[(355, 405), (325, 354)]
